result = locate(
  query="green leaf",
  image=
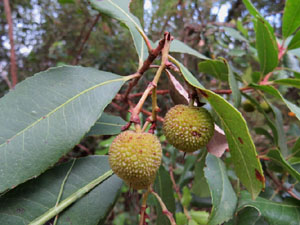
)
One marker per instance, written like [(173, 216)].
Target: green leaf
[(164, 188), (223, 195), (242, 149), (296, 148), (216, 68), (273, 212), (107, 125), (252, 10), (266, 47), (276, 157), (200, 186), (119, 10), (272, 91), (46, 115), (236, 94), (235, 34), (295, 42), (289, 82), (291, 17), (179, 46), (186, 197), (35, 197), (250, 216)]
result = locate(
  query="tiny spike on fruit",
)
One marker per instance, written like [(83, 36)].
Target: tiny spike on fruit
[(135, 157), (188, 128)]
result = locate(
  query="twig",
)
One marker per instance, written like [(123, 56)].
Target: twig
[(151, 57), (281, 186), (13, 64), (76, 59), (151, 87), (164, 208), (175, 187)]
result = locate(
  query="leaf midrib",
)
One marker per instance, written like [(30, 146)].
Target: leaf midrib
[(60, 106)]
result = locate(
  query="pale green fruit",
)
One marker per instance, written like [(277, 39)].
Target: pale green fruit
[(135, 157), (188, 128)]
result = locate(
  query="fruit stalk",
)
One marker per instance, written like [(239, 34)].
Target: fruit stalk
[(152, 85), (164, 208)]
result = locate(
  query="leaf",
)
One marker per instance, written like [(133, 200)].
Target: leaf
[(35, 197), (282, 143), (200, 186), (296, 148), (291, 17), (216, 68), (252, 10), (295, 42), (177, 92), (276, 157), (223, 196), (242, 149), (250, 216), (273, 212), (266, 47), (46, 115), (119, 10), (218, 143), (107, 125), (164, 188), (233, 86), (271, 90), (289, 82), (235, 34), (180, 47)]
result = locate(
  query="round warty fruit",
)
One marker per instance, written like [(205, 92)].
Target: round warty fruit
[(188, 128), (135, 157)]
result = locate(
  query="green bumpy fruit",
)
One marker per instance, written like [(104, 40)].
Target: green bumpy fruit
[(135, 157), (248, 106), (188, 128), (265, 106)]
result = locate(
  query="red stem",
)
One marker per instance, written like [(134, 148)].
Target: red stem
[(13, 58), (76, 60)]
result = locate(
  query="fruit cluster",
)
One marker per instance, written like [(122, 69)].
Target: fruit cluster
[(136, 156)]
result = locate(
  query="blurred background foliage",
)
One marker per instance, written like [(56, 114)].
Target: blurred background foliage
[(53, 33)]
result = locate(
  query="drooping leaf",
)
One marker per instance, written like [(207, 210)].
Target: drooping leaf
[(273, 212), (282, 143), (46, 115), (241, 146), (295, 42), (164, 188), (216, 68), (291, 17), (223, 195), (178, 94), (107, 125), (266, 47), (235, 34), (218, 143), (272, 91), (296, 148), (289, 82), (236, 94), (276, 157), (35, 197), (179, 46), (200, 186), (119, 10)]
